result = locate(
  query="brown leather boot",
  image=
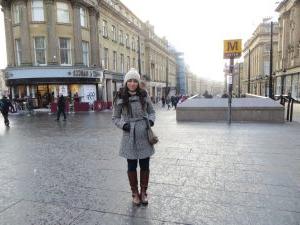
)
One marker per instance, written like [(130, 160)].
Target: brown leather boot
[(133, 181), (144, 185)]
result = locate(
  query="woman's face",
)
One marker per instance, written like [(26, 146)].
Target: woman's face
[(132, 85)]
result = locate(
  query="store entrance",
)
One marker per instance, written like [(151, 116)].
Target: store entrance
[(44, 96)]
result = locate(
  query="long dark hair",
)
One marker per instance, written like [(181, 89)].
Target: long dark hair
[(123, 94)]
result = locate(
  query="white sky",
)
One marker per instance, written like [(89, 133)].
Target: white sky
[(195, 27)]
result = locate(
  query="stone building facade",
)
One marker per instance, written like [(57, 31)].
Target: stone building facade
[(288, 64), (52, 49), (81, 47), (258, 47)]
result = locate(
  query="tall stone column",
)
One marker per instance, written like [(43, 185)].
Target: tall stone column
[(52, 51), (94, 36), (25, 38), (77, 35), (285, 39), (297, 29), (10, 51)]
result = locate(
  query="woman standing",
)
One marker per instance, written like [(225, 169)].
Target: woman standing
[(132, 111)]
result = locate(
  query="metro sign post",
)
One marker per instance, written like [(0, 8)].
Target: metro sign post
[(232, 50)]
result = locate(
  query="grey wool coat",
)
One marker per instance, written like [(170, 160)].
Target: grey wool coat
[(134, 144)]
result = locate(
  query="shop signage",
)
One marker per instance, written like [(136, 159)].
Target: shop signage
[(232, 48), (88, 93), (63, 90), (85, 73), (21, 73)]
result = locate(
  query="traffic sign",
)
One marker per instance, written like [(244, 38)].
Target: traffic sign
[(232, 48)]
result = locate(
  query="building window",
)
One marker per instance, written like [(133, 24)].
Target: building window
[(127, 40), (18, 51), (121, 37), (106, 59), (133, 44), (143, 67), (85, 53), (115, 60), (63, 12), (17, 14), (65, 51), (128, 63), (122, 63), (40, 51), (114, 33), (37, 10), (83, 17), (133, 63), (104, 29), (142, 48)]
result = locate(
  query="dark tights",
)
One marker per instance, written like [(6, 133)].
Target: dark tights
[(132, 164)]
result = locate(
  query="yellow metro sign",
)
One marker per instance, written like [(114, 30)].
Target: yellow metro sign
[(232, 48)]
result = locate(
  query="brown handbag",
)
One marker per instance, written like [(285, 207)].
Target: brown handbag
[(152, 138)]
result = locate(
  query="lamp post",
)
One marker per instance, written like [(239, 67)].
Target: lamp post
[(271, 65), (139, 56), (249, 70)]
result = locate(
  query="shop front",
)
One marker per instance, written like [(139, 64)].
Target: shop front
[(288, 84), (45, 85), (157, 91), (112, 82)]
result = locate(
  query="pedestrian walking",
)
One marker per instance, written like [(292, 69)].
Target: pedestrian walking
[(176, 100), (168, 100), (163, 101), (131, 112), (5, 105), (61, 105), (173, 101)]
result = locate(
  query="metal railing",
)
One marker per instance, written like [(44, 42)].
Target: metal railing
[(290, 101)]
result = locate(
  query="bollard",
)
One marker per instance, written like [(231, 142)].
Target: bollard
[(292, 109), (288, 110)]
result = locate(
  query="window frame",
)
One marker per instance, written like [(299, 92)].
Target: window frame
[(122, 63), (35, 49), (63, 10), (127, 41), (17, 13), (106, 58), (86, 53), (114, 33), (121, 37), (18, 52), (104, 29), (33, 8), (68, 49), (115, 61), (83, 16)]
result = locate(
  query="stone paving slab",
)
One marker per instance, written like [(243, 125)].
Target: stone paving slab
[(202, 173)]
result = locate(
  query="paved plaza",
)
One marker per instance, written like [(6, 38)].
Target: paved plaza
[(202, 173)]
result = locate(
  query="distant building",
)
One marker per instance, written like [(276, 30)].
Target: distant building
[(258, 48), (287, 78)]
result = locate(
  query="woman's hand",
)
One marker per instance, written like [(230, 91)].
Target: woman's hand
[(151, 123), (126, 127)]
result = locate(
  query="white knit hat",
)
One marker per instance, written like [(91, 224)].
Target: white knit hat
[(132, 74)]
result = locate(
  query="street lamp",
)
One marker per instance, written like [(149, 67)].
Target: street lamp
[(271, 64)]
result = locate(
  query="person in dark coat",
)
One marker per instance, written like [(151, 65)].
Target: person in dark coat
[(176, 100), (173, 101), (131, 112), (163, 101), (61, 105), (5, 105)]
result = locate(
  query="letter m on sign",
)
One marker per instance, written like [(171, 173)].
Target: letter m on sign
[(232, 48)]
